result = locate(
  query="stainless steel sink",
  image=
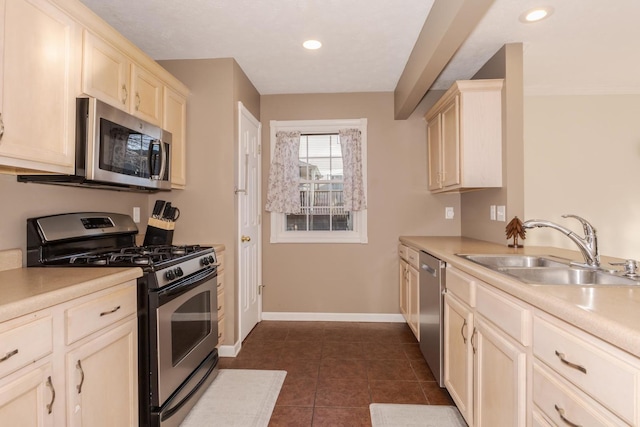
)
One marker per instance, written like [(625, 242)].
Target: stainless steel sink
[(547, 270), (497, 261), (566, 276)]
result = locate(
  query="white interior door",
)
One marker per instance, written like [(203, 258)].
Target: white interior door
[(249, 201)]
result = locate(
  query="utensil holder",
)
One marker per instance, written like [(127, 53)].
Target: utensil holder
[(159, 232)]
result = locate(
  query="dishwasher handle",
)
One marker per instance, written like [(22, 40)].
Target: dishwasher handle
[(429, 269)]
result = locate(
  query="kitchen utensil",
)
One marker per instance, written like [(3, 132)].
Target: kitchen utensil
[(174, 214), (157, 209), (166, 213)]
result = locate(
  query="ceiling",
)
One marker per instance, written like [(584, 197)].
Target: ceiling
[(585, 46)]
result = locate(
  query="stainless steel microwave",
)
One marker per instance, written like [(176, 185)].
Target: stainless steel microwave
[(115, 150)]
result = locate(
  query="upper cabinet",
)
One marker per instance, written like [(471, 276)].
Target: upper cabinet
[(39, 80), (56, 50), (109, 75), (464, 137)]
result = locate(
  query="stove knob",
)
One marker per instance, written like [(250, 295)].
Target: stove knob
[(179, 272), (170, 275), (211, 260), (204, 261)]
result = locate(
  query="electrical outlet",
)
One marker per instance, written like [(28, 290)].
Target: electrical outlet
[(501, 213), (136, 215), (448, 212), (492, 212)]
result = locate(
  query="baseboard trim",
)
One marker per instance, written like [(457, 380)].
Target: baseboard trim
[(229, 350), (334, 317)]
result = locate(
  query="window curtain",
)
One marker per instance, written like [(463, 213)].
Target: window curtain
[(351, 143), (283, 193)]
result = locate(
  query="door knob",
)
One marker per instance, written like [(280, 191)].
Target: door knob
[(245, 238)]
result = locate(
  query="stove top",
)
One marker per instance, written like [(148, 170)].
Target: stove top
[(130, 256)]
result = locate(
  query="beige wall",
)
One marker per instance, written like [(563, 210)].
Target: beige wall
[(208, 204), (506, 63), (582, 156), (21, 201), (356, 278)]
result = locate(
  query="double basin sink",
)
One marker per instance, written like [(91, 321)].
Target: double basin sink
[(549, 270)]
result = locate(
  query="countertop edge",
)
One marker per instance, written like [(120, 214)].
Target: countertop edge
[(541, 297)]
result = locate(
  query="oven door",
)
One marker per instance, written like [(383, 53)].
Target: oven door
[(187, 329)]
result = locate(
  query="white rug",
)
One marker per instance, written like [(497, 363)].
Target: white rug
[(393, 415), (237, 398)]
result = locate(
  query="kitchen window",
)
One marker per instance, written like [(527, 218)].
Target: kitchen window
[(320, 214)]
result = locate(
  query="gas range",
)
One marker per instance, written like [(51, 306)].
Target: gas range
[(97, 239)]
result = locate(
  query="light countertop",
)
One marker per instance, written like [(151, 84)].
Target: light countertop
[(607, 312), (25, 290)]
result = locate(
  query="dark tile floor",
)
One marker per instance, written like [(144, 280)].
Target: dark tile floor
[(336, 369)]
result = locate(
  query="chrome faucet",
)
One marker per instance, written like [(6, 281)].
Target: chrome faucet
[(588, 244)]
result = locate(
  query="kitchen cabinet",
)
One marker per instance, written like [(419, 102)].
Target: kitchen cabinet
[(111, 76), (39, 80), (409, 288), (580, 379), (492, 390), (221, 302), (464, 137), (175, 121), (87, 342)]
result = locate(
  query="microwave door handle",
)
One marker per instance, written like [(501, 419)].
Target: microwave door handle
[(154, 157), (163, 159)]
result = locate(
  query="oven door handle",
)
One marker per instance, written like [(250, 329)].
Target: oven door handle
[(170, 292)]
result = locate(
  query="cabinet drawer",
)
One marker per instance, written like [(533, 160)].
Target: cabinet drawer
[(413, 257), (25, 343), (461, 285), (505, 313), (220, 259), (220, 304), (84, 319), (564, 404), (599, 373), (403, 252)]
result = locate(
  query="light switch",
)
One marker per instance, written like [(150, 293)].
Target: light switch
[(501, 213), (136, 214)]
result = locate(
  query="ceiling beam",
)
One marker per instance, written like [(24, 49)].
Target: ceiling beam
[(448, 25)]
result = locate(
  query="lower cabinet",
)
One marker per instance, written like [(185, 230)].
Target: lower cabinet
[(485, 352), (409, 284), (74, 364), (103, 371)]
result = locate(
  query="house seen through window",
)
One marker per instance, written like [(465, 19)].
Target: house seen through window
[(321, 195)]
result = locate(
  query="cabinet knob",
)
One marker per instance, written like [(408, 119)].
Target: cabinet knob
[(1, 126), (125, 94)]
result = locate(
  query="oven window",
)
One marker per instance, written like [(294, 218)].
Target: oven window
[(190, 324)]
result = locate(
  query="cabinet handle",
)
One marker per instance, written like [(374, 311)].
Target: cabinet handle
[(473, 345), (137, 101), (569, 364), (219, 307), (53, 395), (125, 94), (9, 355), (219, 335), (464, 327), (1, 126), (104, 313), (562, 417), (79, 386)]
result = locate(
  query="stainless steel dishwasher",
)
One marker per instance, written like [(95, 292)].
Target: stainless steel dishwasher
[(432, 284)]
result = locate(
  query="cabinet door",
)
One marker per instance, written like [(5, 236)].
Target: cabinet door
[(105, 72), (175, 121), (458, 355), (434, 147), (451, 144), (414, 301), (29, 399), (39, 59), (104, 371), (499, 378), (146, 96), (404, 289)]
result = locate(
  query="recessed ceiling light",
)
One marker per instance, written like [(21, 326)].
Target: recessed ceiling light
[(535, 15), (312, 44)]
